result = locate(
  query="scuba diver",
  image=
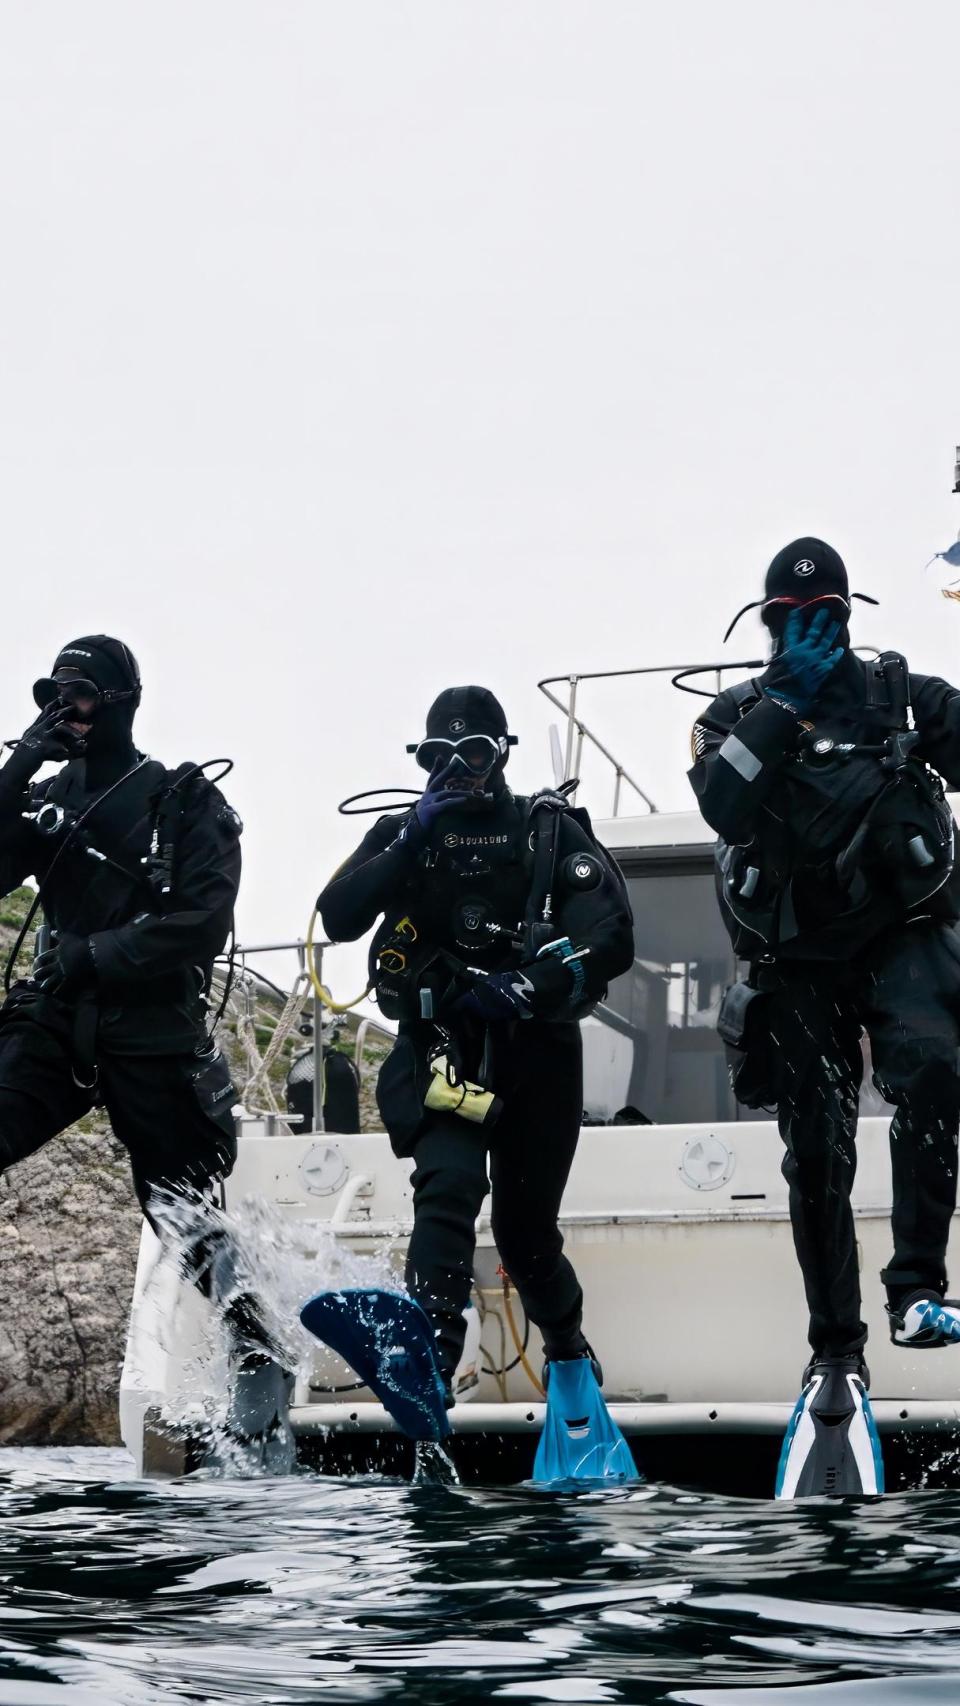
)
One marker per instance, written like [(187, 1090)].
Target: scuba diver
[(137, 869), (503, 921), (824, 779)]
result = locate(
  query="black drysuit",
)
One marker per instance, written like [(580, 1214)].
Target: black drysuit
[(134, 1038), (476, 871), (836, 957)]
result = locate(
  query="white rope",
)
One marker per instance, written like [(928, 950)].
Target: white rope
[(259, 1081)]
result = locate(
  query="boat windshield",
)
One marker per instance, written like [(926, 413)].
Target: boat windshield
[(653, 1046)]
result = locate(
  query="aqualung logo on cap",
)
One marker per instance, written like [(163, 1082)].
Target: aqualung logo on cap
[(457, 725), (804, 567), (74, 652)]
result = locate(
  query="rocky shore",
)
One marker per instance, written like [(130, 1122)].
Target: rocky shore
[(69, 1234)]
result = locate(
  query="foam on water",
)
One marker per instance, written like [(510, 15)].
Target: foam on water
[(281, 1261)]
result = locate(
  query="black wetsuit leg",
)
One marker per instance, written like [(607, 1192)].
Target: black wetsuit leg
[(537, 1070), (540, 1075), (156, 1108), (38, 1097), (910, 998), (179, 1132), (449, 1184), (819, 1067)]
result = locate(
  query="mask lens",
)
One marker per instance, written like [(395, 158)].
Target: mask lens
[(429, 751), (479, 753), (76, 689), (45, 692), (476, 753)]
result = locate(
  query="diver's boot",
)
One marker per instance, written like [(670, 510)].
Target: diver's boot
[(831, 1444), (570, 1348), (924, 1321)]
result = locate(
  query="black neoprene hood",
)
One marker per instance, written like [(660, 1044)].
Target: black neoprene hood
[(106, 661), (459, 711)]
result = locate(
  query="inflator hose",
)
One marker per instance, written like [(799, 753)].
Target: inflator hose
[(320, 991), (522, 1357)]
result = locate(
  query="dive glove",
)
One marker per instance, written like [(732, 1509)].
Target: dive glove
[(807, 658), (46, 741), (436, 799), (64, 968), (498, 995)]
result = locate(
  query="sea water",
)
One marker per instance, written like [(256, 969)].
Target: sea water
[(304, 1589), (233, 1586)]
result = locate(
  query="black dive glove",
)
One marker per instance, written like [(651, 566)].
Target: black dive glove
[(807, 658), (65, 968), (498, 995), (46, 741), (542, 988)]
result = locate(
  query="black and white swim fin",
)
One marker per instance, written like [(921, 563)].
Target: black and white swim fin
[(831, 1444)]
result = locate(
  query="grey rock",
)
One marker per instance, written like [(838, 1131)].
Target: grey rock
[(69, 1233)]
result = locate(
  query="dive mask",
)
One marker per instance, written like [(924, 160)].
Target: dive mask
[(71, 689), (476, 754)]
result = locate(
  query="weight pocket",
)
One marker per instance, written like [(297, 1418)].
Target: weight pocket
[(214, 1087)]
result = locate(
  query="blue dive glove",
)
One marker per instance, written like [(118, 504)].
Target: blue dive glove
[(435, 799), (808, 656), (499, 995)]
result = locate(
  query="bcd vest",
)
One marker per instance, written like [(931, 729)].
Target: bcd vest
[(857, 832)]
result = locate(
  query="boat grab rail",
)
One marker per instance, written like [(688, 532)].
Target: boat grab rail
[(578, 732)]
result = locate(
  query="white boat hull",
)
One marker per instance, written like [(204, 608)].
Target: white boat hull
[(682, 1241)]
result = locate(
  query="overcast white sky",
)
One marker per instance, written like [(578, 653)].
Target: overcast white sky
[(351, 350)]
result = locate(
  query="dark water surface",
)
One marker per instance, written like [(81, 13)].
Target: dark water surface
[(315, 1590)]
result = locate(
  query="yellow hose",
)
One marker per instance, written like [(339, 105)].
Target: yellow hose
[(534, 1379), (320, 990)]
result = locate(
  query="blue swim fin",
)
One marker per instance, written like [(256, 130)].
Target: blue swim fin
[(580, 1439), (387, 1338), (831, 1444)]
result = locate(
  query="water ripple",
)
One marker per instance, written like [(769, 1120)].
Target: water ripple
[(318, 1590)]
